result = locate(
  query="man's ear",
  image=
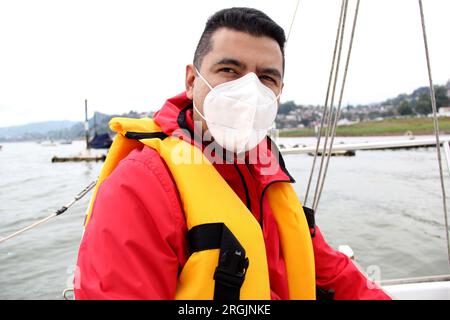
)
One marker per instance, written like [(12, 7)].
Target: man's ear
[(189, 82)]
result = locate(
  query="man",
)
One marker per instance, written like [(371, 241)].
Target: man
[(228, 229)]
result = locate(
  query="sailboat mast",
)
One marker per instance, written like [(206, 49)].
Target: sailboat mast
[(86, 124), (95, 124)]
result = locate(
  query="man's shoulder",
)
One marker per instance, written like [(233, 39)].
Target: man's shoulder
[(143, 155), (145, 161)]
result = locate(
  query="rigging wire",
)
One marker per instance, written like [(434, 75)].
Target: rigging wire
[(53, 215), (338, 112), (292, 24), (436, 128), (325, 108), (327, 134)]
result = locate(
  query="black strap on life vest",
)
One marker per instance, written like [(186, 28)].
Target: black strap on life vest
[(323, 294), (309, 213), (145, 135), (232, 265)]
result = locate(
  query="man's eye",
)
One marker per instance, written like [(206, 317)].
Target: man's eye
[(267, 78), (227, 70)]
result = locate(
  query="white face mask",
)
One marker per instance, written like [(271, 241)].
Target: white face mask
[(239, 113)]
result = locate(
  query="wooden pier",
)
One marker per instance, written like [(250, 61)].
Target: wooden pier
[(337, 153), (79, 158), (378, 145)]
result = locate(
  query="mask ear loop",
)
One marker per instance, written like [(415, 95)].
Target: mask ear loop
[(199, 113), (209, 86), (201, 77)]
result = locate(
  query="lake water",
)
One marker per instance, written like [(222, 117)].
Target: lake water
[(386, 205)]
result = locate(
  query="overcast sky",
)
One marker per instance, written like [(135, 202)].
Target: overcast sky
[(131, 55)]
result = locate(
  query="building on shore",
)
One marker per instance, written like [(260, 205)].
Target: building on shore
[(444, 112), (448, 92)]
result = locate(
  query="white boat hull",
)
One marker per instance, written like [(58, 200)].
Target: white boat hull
[(439, 290)]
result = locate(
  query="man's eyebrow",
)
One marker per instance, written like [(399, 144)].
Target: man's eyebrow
[(271, 71), (230, 61)]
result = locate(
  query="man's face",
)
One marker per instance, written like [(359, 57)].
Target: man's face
[(233, 55)]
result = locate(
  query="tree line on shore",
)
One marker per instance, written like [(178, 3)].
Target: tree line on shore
[(418, 103)]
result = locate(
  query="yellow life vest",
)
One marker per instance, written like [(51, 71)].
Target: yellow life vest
[(209, 203)]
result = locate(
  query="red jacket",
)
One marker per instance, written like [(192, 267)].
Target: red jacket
[(135, 244)]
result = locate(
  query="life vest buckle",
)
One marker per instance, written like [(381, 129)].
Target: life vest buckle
[(231, 269)]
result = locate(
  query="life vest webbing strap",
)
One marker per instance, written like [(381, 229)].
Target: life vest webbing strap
[(323, 294), (309, 213), (145, 135), (232, 265)]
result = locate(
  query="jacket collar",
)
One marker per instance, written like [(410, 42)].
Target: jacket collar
[(267, 167)]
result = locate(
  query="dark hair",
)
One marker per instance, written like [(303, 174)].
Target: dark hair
[(248, 20)]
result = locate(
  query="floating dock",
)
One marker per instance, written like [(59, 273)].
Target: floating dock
[(338, 153), (79, 158), (378, 145)]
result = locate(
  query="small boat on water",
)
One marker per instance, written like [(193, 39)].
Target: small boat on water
[(49, 143), (100, 141), (66, 141)]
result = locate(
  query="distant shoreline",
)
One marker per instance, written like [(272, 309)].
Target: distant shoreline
[(385, 127)]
